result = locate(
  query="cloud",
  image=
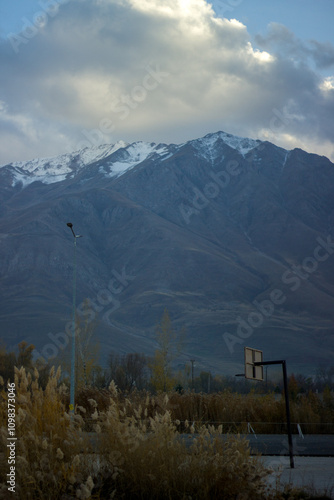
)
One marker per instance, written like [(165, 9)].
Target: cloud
[(102, 70), (281, 40)]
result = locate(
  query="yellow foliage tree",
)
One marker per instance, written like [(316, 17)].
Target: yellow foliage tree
[(169, 345), (87, 349), (86, 352)]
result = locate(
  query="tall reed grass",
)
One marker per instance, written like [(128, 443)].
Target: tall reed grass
[(117, 447)]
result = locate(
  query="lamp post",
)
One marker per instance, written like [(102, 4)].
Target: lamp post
[(72, 383)]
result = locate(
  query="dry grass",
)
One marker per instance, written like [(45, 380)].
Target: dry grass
[(134, 449), (151, 461), (47, 441), (233, 411), (265, 413)]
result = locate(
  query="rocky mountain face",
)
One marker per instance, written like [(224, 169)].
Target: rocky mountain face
[(233, 236)]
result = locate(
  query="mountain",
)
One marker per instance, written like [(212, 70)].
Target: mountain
[(233, 236)]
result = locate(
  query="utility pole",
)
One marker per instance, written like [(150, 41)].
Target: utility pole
[(287, 405), (72, 383), (254, 370)]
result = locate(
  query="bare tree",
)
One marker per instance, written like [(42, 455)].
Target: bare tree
[(128, 371)]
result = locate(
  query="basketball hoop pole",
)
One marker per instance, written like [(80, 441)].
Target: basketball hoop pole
[(287, 405)]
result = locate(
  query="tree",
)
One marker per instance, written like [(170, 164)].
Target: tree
[(128, 371), (169, 345), (9, 359), (99, 377), (88, 351), (7, 363), (328, 398), (324, 376), (24, 357), (293, 387), (135, 367)]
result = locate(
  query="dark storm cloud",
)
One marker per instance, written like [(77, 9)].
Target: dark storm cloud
[(322, 53), (281, 41)]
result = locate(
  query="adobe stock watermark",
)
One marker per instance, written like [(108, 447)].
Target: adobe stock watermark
[(123, 107), (106, 300), (278, 121), (219, 180), (264, 309), (12, 439), (31, 27), (227, 6)]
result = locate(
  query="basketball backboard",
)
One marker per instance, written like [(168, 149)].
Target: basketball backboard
[(253, 356)]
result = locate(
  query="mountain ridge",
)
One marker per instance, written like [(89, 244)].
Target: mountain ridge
[(56, 168), (206, 229)]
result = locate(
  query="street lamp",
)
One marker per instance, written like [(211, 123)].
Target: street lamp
[(72, 384)]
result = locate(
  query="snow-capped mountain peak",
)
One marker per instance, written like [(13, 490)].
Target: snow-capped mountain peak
[(207, 145), (116, 159), (58, 168)]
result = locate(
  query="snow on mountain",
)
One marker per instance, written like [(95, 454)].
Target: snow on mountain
[(120, 157), (207, 146), (90, 155), (133, 155), (55, 169)]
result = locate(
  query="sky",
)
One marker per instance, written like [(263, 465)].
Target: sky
[(81, 73)]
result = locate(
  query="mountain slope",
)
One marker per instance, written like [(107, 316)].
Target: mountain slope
[(223, 231)]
